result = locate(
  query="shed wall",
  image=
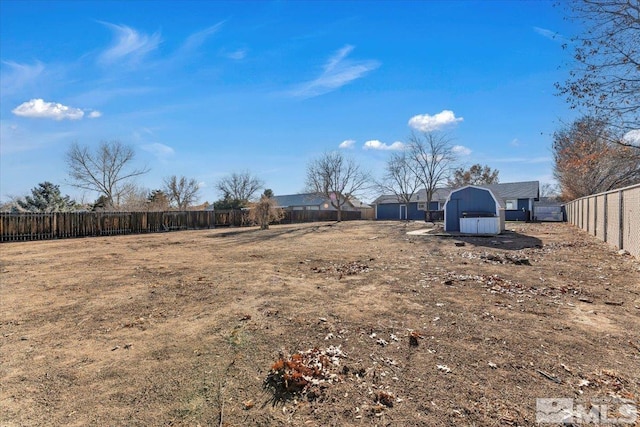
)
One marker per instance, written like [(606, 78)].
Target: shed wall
[(468, 199)]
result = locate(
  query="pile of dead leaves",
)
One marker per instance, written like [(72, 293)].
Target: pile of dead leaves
[(497, 258), (299, 374), (347, 269)]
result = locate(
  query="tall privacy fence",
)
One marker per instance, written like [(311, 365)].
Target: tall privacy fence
[(59, 225), (613, 216)]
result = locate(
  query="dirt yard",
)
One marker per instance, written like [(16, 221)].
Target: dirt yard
[(323, 324)]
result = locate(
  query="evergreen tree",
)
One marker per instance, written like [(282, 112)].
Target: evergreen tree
[(46, 197)]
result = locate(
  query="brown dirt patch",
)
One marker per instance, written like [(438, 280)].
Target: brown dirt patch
[(205, 327)]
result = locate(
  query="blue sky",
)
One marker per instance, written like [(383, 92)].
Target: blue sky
[(203, 88)]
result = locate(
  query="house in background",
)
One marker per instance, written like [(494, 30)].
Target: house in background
[(311, 202), (474, 210), (388, 207), (517, 197)]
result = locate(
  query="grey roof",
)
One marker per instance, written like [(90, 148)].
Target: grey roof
[(507, 190), (419, 196), (306, 199), (312, 199), (516, 190)]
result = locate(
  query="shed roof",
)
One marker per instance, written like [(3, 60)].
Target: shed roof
[(493, 194)]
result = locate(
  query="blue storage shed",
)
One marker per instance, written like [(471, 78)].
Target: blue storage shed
[(473, 202)]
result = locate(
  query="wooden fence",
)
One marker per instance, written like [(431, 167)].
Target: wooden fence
[(60, 225)]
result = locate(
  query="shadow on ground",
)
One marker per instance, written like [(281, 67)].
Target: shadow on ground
[(508, 240)]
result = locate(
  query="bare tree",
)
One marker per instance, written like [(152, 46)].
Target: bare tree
[(157, 200), (432, 159), (265, 211), (605, 76), (182, 192), (336, 178), (240, 187), (549, 190), (475, 175), (399, 178), (107, 170), (133, 198), (587, 162)]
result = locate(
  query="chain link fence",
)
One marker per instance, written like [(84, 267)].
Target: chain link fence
[(613, 216)]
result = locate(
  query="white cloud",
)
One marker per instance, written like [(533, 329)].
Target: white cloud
[(38, 108), (461, 150), (348, 143), (129, 44), (338, 71), (374, 144), (515, 142), (633, 137), (158, 150), (426, 122), (94, 114)]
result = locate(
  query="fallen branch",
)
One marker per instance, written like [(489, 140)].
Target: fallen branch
[(549, 376)]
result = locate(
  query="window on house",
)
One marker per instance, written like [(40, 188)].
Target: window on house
[(422, 206), (512, 204)]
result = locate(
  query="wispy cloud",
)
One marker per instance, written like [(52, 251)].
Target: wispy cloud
[(161, 151), (515, 142), (549, 34), (40, 109), (17, 76), (523, 160), (461, 150), (374, 144), (427, 123), (17, 139), (197, 39), (347, 143), (338, 71), (237, 54), (129, 44)]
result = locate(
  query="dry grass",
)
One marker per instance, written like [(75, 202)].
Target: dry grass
[(186, 328)]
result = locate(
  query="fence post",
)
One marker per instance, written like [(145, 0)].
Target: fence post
[(605, 220), (595, 216), (621, 221)]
